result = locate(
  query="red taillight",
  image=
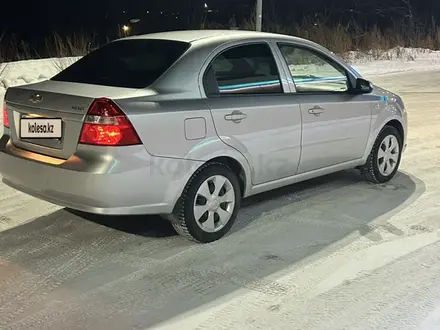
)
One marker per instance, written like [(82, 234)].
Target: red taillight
[(5, 116), (107, 125)]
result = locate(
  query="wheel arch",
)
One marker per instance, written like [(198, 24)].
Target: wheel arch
[(236, 167), (397, 125), (229, 157), (371, 169), (395, 122)]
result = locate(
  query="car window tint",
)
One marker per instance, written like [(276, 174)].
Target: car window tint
[(249, 69), (127, 63), (312, 73)]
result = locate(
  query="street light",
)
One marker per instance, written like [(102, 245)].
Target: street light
[(259, 13), (126, 30)]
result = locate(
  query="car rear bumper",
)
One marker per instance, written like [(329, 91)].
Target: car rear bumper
[(89, 206), (113, 181)]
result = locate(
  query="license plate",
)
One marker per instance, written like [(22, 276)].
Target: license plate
[(40, 128)]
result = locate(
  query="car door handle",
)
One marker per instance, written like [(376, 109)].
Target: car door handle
[(236, 116), (316, 110)]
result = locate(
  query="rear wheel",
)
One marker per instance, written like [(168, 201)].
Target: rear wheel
[(209, 204), (384, 159)]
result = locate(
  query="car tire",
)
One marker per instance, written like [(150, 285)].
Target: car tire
[(384, 159), (209, 204)]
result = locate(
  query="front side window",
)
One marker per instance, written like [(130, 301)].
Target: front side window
[(311, 72), (249, 69)]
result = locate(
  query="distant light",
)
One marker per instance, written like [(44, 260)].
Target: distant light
[(135, 20), (125, 28), (206, 5), (148, 11)]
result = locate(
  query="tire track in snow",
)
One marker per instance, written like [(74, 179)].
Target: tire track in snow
[(52, 275)]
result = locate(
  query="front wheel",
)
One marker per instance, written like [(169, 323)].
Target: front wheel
[(384, 159), (209, 204)]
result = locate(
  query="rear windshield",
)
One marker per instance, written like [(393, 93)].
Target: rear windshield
[(127, 63)]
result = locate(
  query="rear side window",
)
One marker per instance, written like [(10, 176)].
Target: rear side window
[(127, 63), (248, 69)]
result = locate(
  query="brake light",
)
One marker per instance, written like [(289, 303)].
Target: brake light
[(107, 125), (5, 116)]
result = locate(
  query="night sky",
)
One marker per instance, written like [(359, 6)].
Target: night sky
[(32, 20), (36, 18)]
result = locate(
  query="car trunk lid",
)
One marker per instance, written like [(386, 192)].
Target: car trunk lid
[(61, 104)]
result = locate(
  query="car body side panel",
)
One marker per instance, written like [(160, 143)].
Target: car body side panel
[(269, 137), (339, 134), (161, 124), (381, 113), (215, 148)]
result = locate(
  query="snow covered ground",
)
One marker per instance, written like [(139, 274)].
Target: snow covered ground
[(334, 253), (395, 61)]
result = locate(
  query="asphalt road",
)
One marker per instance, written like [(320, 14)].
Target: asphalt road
[(331, 253)]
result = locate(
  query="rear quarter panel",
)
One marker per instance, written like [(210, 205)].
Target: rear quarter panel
[(161, 125)]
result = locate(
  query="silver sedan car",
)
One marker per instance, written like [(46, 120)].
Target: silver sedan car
[(186, 124)]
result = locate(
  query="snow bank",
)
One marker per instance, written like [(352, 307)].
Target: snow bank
[(397, 60), (26, 72), (377, 63)]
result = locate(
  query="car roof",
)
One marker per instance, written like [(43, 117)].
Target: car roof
[(191, 36)]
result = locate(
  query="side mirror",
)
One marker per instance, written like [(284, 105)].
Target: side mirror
[(363, 86)]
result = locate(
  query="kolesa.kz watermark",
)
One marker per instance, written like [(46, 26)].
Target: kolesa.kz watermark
[(40, 128)]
